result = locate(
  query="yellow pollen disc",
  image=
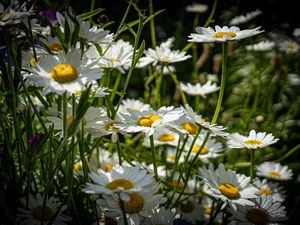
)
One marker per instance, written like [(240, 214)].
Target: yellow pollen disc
[(2, 15), (56, 47), (77, 166), (290, 47), (187, 207), (37, 213), (196, 149), (110, 127), (274, 174), (78, 92), (135, 204), (207, 209), (252, 142), (180, 184), (113, 59), (148, 120), (120, 183), (265, 191), (69, 120), (189, 127), (171, 157), (229, 190), (107, 168), (222, 34), (257, 216), (166, 137), (32, 62), (63, 73)]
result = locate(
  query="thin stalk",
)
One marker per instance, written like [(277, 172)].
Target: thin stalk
[(123, 19), (212, 13), (213, 217), (288, 153), (81, 150), (123, 211), (174, 77), (252, 152), (152, 25), (65, 113), (223, 79), (153, 157), (119, 152), (115, 88)]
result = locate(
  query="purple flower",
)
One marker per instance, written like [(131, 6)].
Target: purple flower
[(34, 141), (50, 15)]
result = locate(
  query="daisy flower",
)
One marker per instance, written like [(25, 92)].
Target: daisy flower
[(122, 180), (296, 32), (233, 189), (118, 55), (171, 156), (162, 54), (199, 89), (190, 210), (161, 216), (245, 18), (53, 44), (289, 47), (214, 129), (33, 215), (274, 171), (163, 136), (103, 160), (265, 211), (63, 72), (293, 79), (212, 148), (11, 15), (261, 46), (222, 34), (270, 188), (132, 104), (137, 207), (253, 141), (196, 8), (106, 126), (149, 120)]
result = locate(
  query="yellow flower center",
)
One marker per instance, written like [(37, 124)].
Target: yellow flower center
[(166, 137), (187, 207), (77, 166), (32, 62), (257, 216), (265, 191), (110, 127), (107, 168), (135, 204), (180, 186), (229, 190), (196, 149), (120, 183), (69, 120), (189, 127), (113, 59), (56, 47), (252, 142), (37, 213), (222, 34), (148, 120), (63, 73), (274, 174), (207, 209), (2, 14), (290, 47), (171, 157)]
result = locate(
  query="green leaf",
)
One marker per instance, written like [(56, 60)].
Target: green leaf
[(92, 13)]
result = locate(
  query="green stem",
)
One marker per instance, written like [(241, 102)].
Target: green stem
[(119, 152), (196, 20), (174, 77), (178, 154), (153, 157), (212, 13), (213, 217), (252, 152), (288, 153), (123, 19), (223, 79), (152, 26), (123, 211), (65, 113), (116, 85)]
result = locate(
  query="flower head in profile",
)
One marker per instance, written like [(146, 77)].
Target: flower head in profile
[(222, 34), (13, 15), (245, 18), (270, 188), (253, 141), (161, 216), (34, 215), (196, 8), (289, 47), (133, 104), (162, 54), (261, 46), (199, 89), (233, 189), (63, 72), (265, 211), (274, 171)]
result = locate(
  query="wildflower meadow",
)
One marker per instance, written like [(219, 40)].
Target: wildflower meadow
[(139, 113)]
